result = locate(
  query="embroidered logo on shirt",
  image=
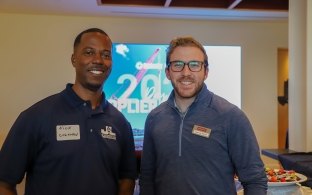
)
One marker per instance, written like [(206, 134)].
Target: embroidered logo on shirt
[(201, 131), (108, 133), (67, 132)]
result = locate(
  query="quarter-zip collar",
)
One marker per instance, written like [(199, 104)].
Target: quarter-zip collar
[(203, 94)]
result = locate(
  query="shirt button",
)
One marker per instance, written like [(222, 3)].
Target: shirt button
[(91, 130), (85, 104)]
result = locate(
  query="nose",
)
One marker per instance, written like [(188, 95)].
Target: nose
[(186, 70), (97, 58)]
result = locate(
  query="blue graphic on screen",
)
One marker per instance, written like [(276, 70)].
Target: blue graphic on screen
[(137, 83)]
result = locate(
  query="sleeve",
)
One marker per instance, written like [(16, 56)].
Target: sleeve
[(245, 154), (128, 168), (17, 151), (148, 162)]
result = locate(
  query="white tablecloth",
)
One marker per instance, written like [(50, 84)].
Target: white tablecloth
[(286, 190), (289, 190)]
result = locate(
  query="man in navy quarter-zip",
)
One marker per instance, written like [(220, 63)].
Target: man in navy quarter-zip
[(196, 142)]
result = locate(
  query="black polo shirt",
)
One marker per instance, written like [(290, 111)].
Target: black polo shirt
[(66, 148)]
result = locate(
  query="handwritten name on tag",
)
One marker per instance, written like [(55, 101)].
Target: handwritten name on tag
[(201, 131), (67, 132)]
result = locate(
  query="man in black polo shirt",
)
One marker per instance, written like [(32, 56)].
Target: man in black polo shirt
[(74, 142)]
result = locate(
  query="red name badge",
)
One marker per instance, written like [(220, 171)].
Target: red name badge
[(201, 131)]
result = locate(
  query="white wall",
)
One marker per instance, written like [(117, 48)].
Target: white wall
[(35, 55)]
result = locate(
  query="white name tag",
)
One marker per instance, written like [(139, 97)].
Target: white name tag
[(201, 131), (67, 132)]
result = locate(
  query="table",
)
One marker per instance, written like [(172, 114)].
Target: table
[(301, 162), (274, 153)]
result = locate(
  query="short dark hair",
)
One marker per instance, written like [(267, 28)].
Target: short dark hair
[(78, 38), (185, 41)]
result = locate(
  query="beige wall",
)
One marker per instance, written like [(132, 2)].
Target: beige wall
[(35, 55)]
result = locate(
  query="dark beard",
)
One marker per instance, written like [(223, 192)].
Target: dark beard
[(187, 97)]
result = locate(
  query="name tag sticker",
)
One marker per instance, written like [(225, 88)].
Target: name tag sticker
[(67, 132), (201, 131)]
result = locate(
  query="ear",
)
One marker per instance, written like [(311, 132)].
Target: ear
[(167, 73), (73, 60), (206, 72)]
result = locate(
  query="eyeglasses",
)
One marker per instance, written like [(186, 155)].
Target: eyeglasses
[(178, 66)]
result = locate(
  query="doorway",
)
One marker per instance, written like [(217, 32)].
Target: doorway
[(282, 98)]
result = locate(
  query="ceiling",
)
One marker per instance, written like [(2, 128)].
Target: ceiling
[(178, 9)]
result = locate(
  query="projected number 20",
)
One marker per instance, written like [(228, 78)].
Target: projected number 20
[(146, 91)]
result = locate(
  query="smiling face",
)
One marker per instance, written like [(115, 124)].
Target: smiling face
[(92, 60), (186, 83)]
